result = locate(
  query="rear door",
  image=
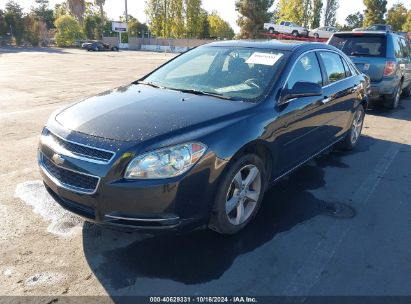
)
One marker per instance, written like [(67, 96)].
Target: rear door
[(368, 51), (340, 93)]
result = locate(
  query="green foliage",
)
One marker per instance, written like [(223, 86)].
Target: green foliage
[(292, 10), (354, 21), (330, 12), (397, 16), (374, 12), (407, 25), (14, 20), (253, 15), (3, 25), (218, 27), (68, 30), (93, 27), (316, 13), (60, 9), (136, 28), (177, 18), (43, 13), (31, 29)]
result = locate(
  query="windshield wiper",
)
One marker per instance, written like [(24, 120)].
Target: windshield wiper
[(151, 84), (203, 93)]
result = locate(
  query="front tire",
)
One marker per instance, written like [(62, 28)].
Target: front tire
[(353, 136), (294, 34), (239, 195), (316, 36)]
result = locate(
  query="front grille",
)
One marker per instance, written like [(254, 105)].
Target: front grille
[(72, 180), (81, 150)]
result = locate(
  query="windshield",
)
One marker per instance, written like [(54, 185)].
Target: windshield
[(367, 46), (229, 72)]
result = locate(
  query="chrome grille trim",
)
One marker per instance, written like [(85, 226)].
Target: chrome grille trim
[(64, 151), (64, 185)]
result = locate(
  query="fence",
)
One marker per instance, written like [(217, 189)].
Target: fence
[(159, 44)]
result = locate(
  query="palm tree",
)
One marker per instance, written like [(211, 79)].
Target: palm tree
[(77, 9)]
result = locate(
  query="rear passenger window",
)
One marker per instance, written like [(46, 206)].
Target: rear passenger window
[(306, 69), (333, 66), (397, 48)]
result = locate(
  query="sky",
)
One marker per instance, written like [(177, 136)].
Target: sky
[(226, 8)]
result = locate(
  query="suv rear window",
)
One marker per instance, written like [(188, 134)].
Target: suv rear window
[(355, 45)]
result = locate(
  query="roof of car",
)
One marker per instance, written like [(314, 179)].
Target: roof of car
[(271, 44), (360, 33)]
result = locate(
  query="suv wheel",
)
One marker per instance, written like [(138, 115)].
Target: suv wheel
[(353, 136), (271, 30), (407, 91), (295, 33), (239, 195), (392, 102), (316, 36)]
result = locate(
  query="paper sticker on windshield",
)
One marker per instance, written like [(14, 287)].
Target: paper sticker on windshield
[(264, 58)]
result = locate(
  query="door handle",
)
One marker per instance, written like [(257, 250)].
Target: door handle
[(326, 100)]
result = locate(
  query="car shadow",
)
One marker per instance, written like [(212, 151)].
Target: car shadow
[(203, 256), (377, 109)]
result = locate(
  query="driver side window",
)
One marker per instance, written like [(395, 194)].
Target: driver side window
[(306, 69)]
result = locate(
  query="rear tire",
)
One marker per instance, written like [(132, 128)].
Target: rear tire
[(407, 91), (239, 195), (354, 134), (294, 33), (392, 102), (271, 30), (316, 36)]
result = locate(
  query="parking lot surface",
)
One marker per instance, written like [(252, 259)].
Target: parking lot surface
[(340, 225)]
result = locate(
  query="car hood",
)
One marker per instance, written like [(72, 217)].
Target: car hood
[(139, 112)]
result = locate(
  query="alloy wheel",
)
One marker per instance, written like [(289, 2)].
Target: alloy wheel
[(357, 126), (243, 195)]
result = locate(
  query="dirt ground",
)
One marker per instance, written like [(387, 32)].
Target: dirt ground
[(294, 248)]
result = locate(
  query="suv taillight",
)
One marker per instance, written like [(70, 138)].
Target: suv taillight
[(389, 68)]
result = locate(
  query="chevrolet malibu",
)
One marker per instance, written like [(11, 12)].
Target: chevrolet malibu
[(198, 141)]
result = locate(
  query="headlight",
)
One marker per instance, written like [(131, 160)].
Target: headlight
[(165, 163)]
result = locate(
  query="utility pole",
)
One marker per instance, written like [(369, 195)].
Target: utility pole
[(126, 12)]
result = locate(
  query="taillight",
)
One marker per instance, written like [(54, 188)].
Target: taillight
[(389, 68)]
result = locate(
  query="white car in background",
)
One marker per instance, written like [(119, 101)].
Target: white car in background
[(287, 28), (323, 32)]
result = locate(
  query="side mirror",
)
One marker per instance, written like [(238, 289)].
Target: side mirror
[(302, 89)]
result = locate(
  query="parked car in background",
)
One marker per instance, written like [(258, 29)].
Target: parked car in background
[(375, 27), (324, 32), (385, 57), (286, 27), (99, 46), (186, 148)]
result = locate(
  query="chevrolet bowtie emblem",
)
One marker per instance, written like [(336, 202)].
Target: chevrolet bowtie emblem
[(57, 159)]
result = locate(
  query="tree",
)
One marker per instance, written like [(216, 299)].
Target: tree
[(77, 9), (136, 28), (316, 13), (31, 30), (194, 18), (407, 25), (330, 12), (253, 15), (374, 12), (100, 4), (93, 27), (219, 28), (3, 25), (155, 11), (397, 16), (68, 30), (354, 21), (292, 10), (307, 12), (176, 26), (43, 13), (60, 9), (14, 20)]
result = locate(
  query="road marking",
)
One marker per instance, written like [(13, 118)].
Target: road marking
[(308, 275)]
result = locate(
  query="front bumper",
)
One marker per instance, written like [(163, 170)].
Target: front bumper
[(182, 203)]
